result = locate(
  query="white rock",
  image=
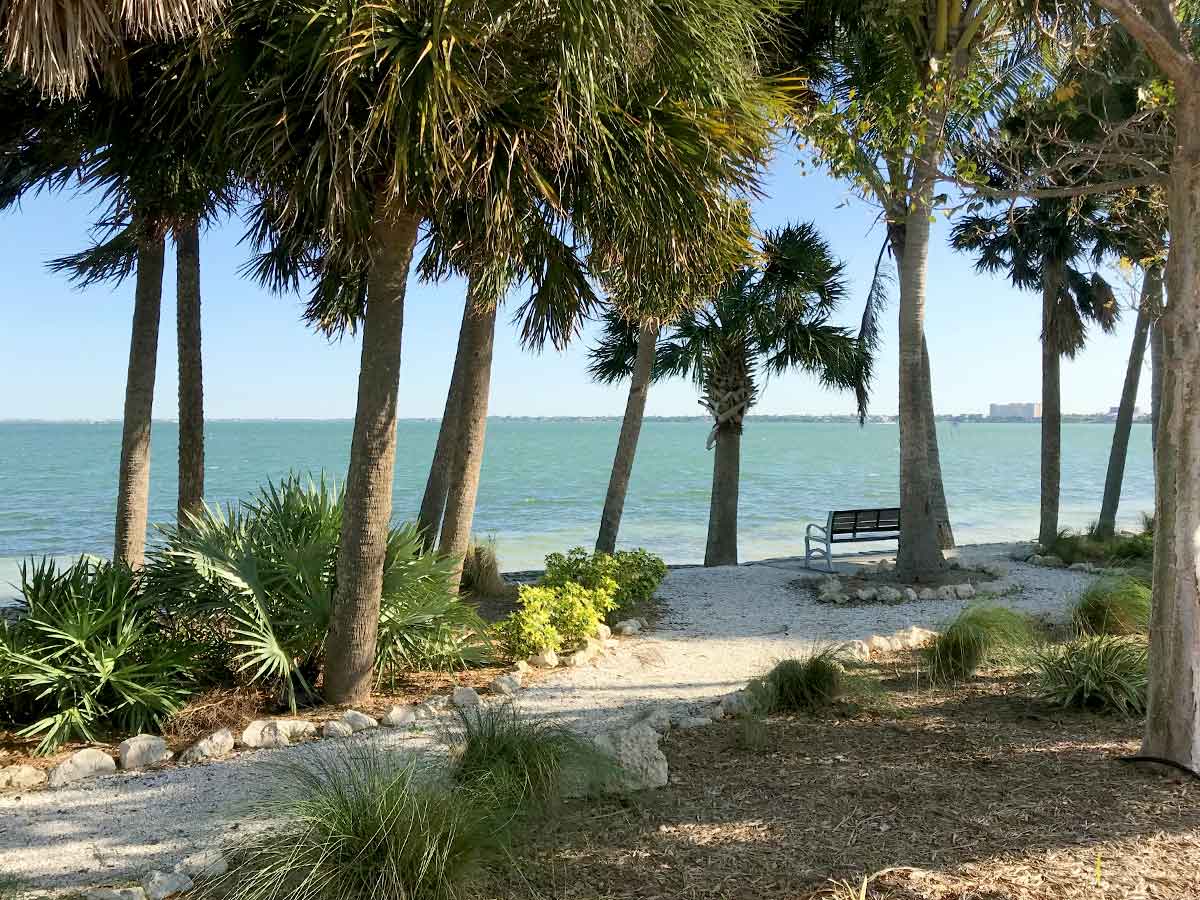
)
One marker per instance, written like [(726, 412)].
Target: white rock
[(399, 716), (217, 745), (829, 586), (579, 658), (888, 594), (865, 595), (911, 638), (1049, 561), (522, 667), (927, 594), (205, 864), (1081, 567), (426, 710), (547, 659), (611, 644), (142, 750), (688, 722), (658, 718), (878, 644), (603, 632), (81, 764), (964, 591), (161, 885), (297, 729), (995, 569), (947, 592), (910, 595), (855, 650), (735, 704), (465, 698), (635, 750), (336, 729), (506, 685), (358, 721), (271, 733), (18, 778), (628, 627), (128, 893)]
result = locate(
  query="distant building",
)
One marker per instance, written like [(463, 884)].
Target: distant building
[(1113, 410), (1023, 411)]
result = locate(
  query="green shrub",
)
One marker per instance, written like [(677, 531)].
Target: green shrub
[(261, 576), (550, 617), (632, 575), (360, 827), (977, 633), (806, 685), (84, 655), (481, 571), (1114, 606), (1101, 672), (520, 763), (1119, 549)]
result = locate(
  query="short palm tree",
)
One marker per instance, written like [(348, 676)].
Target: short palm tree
[(1039, 247), (769, 316), (365, 122)]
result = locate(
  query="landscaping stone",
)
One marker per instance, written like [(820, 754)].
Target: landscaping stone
[(128, 893), (628, 627), (297, 729), (964, 591), (829, 586), (1081, 567), (889, 595), (855, 650), (141, 751), (912, 638), (736, 704), (426, 710), (506, 685), (271, 733), (217, 745), (658, 718), (522, 667), (82, 764), (910, 595), (927, 594), (579, 659), (877, 643), (1049, 561), (693, 722), (865, 595), (547, 659), (161, 885), (635, 750), (19, 778), (359, 721), (603, 632), (947, 592), (465, 698), (205, 864), (336, 729), (996, 570), (399, 716)]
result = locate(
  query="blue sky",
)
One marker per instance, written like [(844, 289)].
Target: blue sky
[(65, 351)]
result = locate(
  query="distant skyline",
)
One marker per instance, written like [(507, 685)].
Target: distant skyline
[(65, 351)]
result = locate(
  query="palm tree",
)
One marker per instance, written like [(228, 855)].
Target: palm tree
[(770, 316), (62, 45), (365, 122), (1038, 246), (190, 498)]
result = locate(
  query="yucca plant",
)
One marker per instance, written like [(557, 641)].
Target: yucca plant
[(978, 632), (362, 826), (84, 655), (1103, 672), (1118, 606)]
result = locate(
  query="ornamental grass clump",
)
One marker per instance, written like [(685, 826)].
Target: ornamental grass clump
[(481, 571), (521, 763), (1102, 672), (979, 633), (806, 685), (1119, 606), (363, 826), (86, 654)]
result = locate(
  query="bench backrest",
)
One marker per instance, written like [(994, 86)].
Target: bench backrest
[(854, 522)]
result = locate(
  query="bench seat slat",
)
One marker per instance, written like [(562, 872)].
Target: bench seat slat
[(846, 526)]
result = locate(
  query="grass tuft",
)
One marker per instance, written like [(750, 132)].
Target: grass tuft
[(1119, 606), (808, 685), (361, 827), (481, 571), (1103, 673), (978, 633)]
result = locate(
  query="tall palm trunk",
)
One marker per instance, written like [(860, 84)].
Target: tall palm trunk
[(919, 555), (1051, 406), (1156, 374), (350, 648), (433, 503), (133, 489), (1173, 717), (1107, 523), (467, 458), (937, 489), (631, 429), (191, 369), (721, 549)]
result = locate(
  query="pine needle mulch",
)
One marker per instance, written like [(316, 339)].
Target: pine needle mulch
[(970, 793)]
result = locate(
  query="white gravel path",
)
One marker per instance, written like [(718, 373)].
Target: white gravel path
[(720, 627)]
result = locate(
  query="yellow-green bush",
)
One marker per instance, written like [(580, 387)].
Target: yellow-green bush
[(550, 617), (635, 574)]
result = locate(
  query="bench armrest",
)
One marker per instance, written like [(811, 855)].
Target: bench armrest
[(815, 529)]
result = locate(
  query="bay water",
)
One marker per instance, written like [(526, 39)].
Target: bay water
[(543, 480)]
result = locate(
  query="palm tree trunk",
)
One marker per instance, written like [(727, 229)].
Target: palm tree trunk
[(1107, 523), (1051, 408), (191, 370), (467, 458), (433, 503), (631, 429), (1173, 717), (920, 555), (1156, 373), (721, 549), (937, 489), (350, 648), (133, 490)]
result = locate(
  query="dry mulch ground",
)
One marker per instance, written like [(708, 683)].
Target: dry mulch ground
[(971, 793)]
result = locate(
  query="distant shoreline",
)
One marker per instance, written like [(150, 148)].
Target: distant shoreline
[(956, 419)]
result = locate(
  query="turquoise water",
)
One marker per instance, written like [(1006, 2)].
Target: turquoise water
[(543, 481)]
